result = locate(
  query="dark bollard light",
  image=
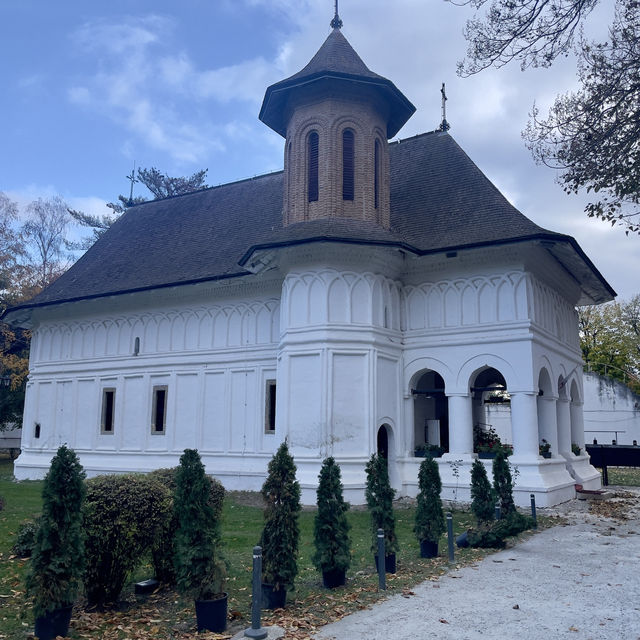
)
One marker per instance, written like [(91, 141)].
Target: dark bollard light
[(382, 579), (533, 511), (498, 511), (450, 535), (257, 631)]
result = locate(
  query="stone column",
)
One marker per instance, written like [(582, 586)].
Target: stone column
[(460, 424), (548, 421), (524, 424), (577, 424), (564, 427)]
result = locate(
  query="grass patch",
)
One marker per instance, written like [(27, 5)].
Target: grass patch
[(166, 615), (624, 476)]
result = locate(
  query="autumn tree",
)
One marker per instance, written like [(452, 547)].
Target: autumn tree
[(610, 340), (159, 184), (592, 136)]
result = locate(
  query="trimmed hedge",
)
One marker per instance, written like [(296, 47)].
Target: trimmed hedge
[(123, 518), (163, 551)]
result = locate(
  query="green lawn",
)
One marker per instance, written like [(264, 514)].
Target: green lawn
[(624, 476), (166, 615)]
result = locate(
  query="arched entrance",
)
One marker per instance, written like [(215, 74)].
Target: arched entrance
[(491, 408), (430, 412)]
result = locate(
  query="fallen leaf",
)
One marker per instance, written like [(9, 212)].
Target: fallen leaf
[(444, 621)]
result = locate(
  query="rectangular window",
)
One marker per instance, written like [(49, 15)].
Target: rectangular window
[(159, 417), (313, 143), (108, 404), (270, 407)]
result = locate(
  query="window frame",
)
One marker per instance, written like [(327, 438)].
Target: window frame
[(348, 164), (154, 409), (313, 166), (270, 406), (105, 411)]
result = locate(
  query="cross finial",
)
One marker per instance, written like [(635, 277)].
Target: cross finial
[(444, 125), (336, 23), (132, 179)]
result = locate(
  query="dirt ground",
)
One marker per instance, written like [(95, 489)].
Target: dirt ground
[(579, 580)]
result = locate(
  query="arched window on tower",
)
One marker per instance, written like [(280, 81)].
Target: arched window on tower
[(347, 164), (312, 166), (376, 174)]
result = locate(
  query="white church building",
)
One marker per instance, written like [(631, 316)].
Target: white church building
[(372, 296)]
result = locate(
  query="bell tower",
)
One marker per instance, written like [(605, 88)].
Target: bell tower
[(336, 117)]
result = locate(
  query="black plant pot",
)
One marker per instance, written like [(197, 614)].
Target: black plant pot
[(53, 624), (273, 598), (428, 549), (486, 455), (211, 615), (334, 578), (546, 454), (389, 563), (462, 541)]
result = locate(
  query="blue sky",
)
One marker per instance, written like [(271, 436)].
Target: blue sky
[(92, 87)]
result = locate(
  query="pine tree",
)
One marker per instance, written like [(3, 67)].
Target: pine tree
[(199, 569), (58, 559), (281, 532), (331, 529), (483, 497), (379, 495), (429, 519), (503, 484)]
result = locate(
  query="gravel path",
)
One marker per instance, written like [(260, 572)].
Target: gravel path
[(579, 581)]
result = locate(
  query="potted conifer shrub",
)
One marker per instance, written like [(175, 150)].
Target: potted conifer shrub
[(280, 534), (429, 519), (503, 485), (200, 570), (379, 496), (483, 497), (332, 554), (57, 561)]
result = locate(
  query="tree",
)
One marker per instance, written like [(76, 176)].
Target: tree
[(483, 497), (159, 184), (503, 485), (281, 532), (610, 340), (379, 495), (58, 560), (592, 135), (330, 527), (45, 231), (429, 521)]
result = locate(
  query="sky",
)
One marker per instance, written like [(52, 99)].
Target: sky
[(90, 88)]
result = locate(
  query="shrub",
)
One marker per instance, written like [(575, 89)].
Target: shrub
[(379, 495), (163, 551), (493, 536), (330, 527), (26, 538), (123, 518), (55, 572), (503, 484), (281, 532), (199, 570), (429, 519), (483, 497)]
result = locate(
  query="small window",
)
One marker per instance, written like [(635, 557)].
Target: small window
[(312, 166), (376, 174), (108, 404), (347, 164), (159, 417), (36, 431), (270, 407)]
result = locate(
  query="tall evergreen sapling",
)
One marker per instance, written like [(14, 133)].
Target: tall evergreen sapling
[(281, 532), (379, 495), (503, 484), (483, 497), (58, 559), (199, 568), (331, 529), (429, 519)]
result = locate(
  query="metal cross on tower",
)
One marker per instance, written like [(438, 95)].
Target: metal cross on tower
[(132, 179), (444, 125), (336, 23)]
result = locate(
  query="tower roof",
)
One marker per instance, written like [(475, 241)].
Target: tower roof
[(336, 62)]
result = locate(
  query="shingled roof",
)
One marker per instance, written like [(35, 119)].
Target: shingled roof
[(440, 201), (335, 62)]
